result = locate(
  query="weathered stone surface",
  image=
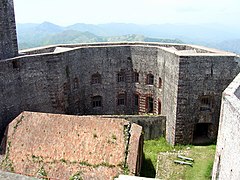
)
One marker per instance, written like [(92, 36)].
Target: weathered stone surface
[(226, 164), (12, 176), (8, 37), (57, 79), (135, 150), (61, 83), (63, 145), (204, 76), (153, 126)]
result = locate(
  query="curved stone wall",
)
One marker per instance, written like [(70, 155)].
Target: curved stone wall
[(119, 78)]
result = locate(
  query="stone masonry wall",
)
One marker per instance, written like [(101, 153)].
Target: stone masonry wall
[(202, 76), (108, 62), (32, 83), (8, 37), (62, 83), (226, 164), (153, 126), (168, 64)]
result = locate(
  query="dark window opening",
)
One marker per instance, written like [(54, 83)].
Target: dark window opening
[(211, 70), (15, 64), (136, 100), (149, 105), (135, 77), (97, 101), (96, 78), (159, 107), (121, 99), (150, 79), (121, 77), (160, 82), (206, 104)]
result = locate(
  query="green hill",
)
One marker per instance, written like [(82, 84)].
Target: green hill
[(35, 35)]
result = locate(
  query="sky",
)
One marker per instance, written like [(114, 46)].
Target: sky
[(67, 12)]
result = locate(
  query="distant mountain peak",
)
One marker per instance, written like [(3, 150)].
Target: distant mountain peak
[(49, 27), (48, 24)]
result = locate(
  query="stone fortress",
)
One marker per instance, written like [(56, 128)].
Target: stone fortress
[(182, 82)]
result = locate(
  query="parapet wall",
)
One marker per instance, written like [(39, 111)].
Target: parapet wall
[(180, 49), (226, 164)]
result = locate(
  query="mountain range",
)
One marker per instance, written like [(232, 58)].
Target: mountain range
[(211, 35)]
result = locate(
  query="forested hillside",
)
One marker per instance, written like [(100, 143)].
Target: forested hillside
[(216, 36)]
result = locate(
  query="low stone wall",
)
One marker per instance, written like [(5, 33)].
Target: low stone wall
[(153, 126), (226, 164)]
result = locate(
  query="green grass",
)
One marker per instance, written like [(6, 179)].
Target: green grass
[(203, 160), (153, 147), (204, 157)]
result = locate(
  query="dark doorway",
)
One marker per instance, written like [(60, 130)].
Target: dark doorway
[(200, 136), (149, 105), (201, 129)]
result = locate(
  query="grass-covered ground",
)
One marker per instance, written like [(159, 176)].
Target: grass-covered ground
[(203, 160)]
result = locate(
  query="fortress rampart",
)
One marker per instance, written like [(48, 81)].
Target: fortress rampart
[(182, 82)]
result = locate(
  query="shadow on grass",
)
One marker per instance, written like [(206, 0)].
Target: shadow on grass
[(148, 169)]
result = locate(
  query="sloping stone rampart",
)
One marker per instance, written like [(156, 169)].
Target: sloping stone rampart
[(64, 145)]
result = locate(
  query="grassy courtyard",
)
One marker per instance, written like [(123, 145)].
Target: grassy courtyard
[(201, 170)]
